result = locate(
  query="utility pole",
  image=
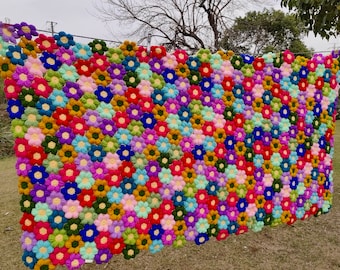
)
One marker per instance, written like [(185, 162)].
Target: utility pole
[(52, 24)]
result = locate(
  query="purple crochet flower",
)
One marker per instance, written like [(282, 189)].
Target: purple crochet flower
[(190, 219), (66, 56), (150, 136), (134, 111), (166, 191), (153, 168), (108, 127), (202, 211), (83, 162), (98, 170), (39, 193), (54, 182), (116, 229), (8, 32), (103, 256), (75, 261), (65, 135), (156, 65), (92, 118), (116, 71), (25, 30), (191, 233), (55, 201), (28, 240), (72, 90)]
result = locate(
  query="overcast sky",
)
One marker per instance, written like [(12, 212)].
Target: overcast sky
[(77, 17)]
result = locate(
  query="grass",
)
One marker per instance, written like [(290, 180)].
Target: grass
[(6, 138), (310, 244)]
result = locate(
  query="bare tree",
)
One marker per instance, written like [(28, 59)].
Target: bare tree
[(189, 24)]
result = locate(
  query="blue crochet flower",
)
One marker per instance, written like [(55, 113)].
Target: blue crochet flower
[(29, 258), (169, 75), (15, 55), (128, 185), (50, 61), (186, 128), (217, 91), (178, 198), (170, 90), (125, 152), (81, 144), (163, 144), (193, 63), (140, 176), (206, 84), (103, 94), (209, 143), (115, 195), (70, 190), (89, 232), (201, 238), (198, 152), (156, 232), (156, 246), (233, 227), (123, 136), (303, 73), (45, 106), (268, 193), (260, 214), (38, 174), (242, 204), (63, 39), (190, 204), (247, 59), (130, 63), (223, 222), (148, 120), (58, 98), (42, 249), (15, 108), (230, 142), (158, 96), (57, 219)]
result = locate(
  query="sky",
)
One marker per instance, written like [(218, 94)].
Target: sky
[(78, 17)]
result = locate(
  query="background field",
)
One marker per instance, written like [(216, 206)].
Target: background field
[(310, 244)]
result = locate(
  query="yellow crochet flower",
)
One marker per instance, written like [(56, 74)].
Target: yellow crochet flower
[(141, 193), (119, 103), (74, 243), (100, 188), (151, 152), (67, 153), (128, 48), (116, 211), (210, 158)]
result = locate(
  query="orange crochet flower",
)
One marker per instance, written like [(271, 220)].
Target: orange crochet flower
[(128, 48), (116, 211), (67, 153), (74, 243), (180, 227), (210, 158), (94, 135), (100, 188), (141, 193), (119, 103)]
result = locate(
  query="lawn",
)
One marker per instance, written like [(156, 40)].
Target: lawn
[(310, 244)]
